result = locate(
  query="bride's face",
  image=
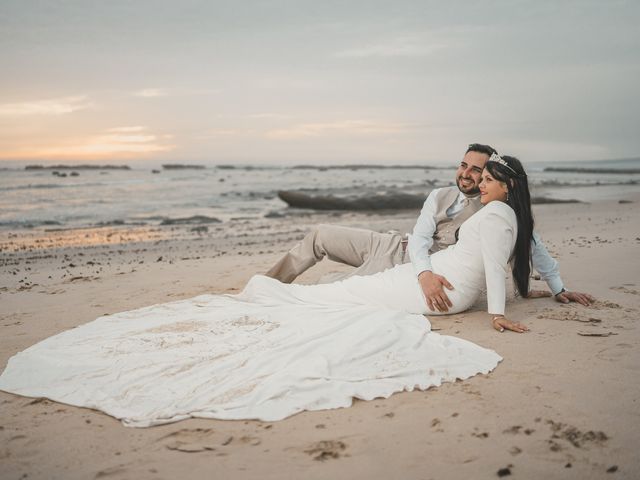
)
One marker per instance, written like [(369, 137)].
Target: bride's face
[(491, 189)]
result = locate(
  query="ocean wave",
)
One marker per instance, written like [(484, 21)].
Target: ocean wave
[(621, 171), (44, 186), (369, 167), (247, 167), (28, 223), (116, 223), (593, 183), (32, 186)]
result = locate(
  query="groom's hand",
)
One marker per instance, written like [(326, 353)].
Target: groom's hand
[(581, 298), (432, 286)]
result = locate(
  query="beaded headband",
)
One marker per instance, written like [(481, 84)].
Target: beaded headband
[(497, 158)]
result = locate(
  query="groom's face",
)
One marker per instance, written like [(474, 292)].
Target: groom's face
[(469, 172)]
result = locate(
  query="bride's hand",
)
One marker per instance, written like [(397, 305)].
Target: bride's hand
[(501, 323)]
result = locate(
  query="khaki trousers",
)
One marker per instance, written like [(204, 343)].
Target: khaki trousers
[(370, 252)]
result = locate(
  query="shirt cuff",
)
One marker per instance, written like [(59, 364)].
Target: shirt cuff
[(421, 266), (555, 285)]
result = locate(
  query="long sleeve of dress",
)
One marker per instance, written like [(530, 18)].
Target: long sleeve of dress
[(497, 237)]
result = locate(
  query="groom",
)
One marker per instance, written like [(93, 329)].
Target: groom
[(444, 210)]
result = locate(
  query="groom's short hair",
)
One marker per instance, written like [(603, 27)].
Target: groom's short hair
[(480, 148)]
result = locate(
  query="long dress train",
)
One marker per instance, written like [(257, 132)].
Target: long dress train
[(271, 351)]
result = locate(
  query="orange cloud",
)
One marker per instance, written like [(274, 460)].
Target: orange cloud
[(55, 106), (119, 142)]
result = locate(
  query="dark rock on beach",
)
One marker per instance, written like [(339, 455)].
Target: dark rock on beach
[(77, 167), (111, 223), (545, 200), (274, 214), (196, 219), (391, 201), (387, 201), (182, 166)]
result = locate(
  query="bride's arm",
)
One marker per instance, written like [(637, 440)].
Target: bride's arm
[(497, 237)]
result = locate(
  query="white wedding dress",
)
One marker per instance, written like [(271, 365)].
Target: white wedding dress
[(275, 349)]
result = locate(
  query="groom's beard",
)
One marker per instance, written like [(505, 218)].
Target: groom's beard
[(468, 186)]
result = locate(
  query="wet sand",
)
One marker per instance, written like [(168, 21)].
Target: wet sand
[(562, 404)]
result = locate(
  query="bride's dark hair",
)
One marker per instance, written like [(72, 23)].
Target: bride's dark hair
[(518, 198)]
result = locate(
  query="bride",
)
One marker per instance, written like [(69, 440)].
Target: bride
[(277, 349)]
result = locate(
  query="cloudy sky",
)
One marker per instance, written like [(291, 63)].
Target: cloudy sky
[(306, 81)]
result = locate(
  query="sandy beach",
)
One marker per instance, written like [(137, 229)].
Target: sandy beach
[(562, 404)]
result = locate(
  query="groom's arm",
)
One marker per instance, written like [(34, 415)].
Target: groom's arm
[(545, 265), (549, 271), (420, 242)]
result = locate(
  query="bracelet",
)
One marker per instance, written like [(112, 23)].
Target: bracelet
[(561, 291)]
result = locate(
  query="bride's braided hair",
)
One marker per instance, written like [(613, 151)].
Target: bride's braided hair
[(511, 172)]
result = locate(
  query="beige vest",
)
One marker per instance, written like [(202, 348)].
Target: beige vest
[(446, 227)]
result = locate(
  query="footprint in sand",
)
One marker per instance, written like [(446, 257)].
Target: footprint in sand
[(565, 314), (624, 289), (80, 278), (574, 436), (249, 440), (192, 440), (516, 429), (577, 313), (561, 439), (107, 472), (604, 305), (203, 439), (614, 354), (560, 436), (515, 450), (326, 449)]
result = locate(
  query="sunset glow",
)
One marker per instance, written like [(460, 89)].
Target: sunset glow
[(59, 106), (266, 83), (120, 142)]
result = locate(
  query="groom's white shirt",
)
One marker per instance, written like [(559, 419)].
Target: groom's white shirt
[(421, 241)]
